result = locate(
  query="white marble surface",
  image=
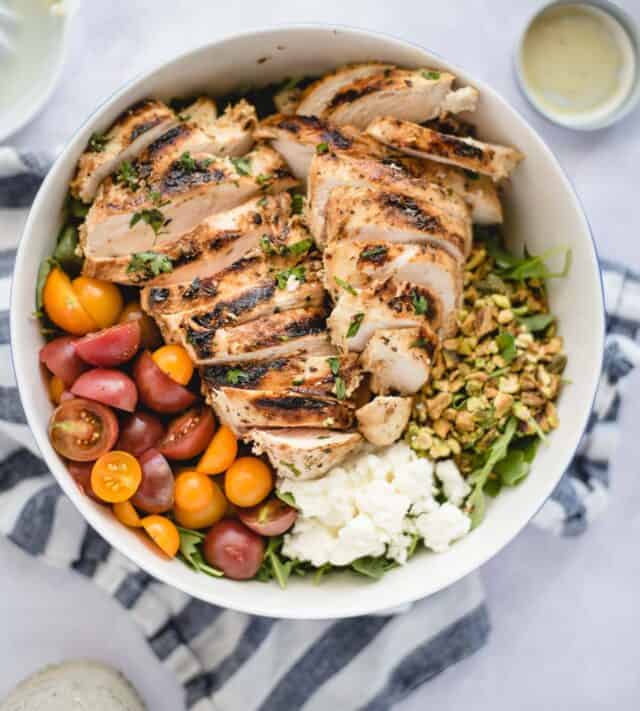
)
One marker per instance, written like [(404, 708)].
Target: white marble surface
[(565, 612)]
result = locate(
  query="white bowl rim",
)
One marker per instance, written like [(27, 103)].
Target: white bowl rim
[(153, 564)]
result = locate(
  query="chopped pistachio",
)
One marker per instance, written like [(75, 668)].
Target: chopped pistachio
[(508, 384)]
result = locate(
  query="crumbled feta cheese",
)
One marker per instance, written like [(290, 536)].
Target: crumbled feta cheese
[(454, 485), (292, 283), (441, 527), (374, 504)]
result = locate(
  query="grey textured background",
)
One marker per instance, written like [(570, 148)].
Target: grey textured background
[(565, 612)]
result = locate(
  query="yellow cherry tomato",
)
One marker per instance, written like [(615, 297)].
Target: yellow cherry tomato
[(56, 388), (63, 306), (199, 502), (220, 454), (150, 336), (163, 533), (175, 362), (116, 476), (248, 481), (126, 513), (102, 300)]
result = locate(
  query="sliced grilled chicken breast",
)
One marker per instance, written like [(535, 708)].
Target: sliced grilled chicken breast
[(287, 99), (367, 214), (412, 95), (299, 138), (120, 220), (399, 359), (487, 158), (242, 410), (317, 97), (131, 133), (301, 373), (383, 420), (269, 337), (203, 112), (356, 317), (304, 453), (233, 131)]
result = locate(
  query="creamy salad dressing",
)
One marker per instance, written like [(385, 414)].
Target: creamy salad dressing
[(578, 60)]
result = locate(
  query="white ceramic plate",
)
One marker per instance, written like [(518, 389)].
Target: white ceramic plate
[(542, 211)]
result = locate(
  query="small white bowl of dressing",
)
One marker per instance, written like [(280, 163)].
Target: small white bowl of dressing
[(578, 63)]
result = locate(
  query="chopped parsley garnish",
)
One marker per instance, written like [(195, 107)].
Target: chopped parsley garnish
[(128, 176), (301, 247), (420, 303), (242, 165), (431, 75), (149, 264), (297, 204), (266, 245), (282, 277), (98, 142), (187, 163), (236, 376), (154, 218), (334, 364), (292, 467), (262, 202), (263, 179), (373, 252), (322, 148), (156, 198), (345, 285), (355, 324), (341, 388), (421, 343)]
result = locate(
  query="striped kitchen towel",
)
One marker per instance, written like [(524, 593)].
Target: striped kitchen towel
[(232, 661)]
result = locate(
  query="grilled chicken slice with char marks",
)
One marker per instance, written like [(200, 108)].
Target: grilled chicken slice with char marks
[(181, 196), (131, 133), (389, 304), (317, 97), (304, 453), (299, 138), (212, 246), (399, 359), (409, 94), (383, 420), (301, 373), (364, 214), (233, 131), (203, 112), (270, 337), (486, 158), (244, 410), (358, 264), (287, 100)]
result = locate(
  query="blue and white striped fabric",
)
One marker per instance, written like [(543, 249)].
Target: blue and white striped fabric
[(232, 661)]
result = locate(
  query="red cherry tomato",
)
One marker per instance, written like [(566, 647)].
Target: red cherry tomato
[(61, 359), (110, 387), (188, 434), (270, 518), (234, 549), (155, 493), (82, 430), (111, 346), (81, 473), (138, 432), (157, 391)]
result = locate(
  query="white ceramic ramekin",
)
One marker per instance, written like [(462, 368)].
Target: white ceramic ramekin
[(542, 211)]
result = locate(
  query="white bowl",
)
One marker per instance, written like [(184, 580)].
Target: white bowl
[(542, 211)]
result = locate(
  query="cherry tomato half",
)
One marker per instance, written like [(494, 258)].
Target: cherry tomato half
[(174, 361), (234, 549), (221, 452), (248, 481), (150, 336), (163, 533), (63, 305), (82, 430), (188, 434), (155, 493), (61, 359), (126, 513), (111, 346), (102, 300), (110, 387), (116, 476), (199, 502), (270, 518), (139, 431), (157, 391)]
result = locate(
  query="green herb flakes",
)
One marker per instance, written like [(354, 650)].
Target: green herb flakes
[(346, 286), (149, 264), (355, 324), (242, 165)]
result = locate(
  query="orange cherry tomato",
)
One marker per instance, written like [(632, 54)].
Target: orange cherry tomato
[(163, 533), (150, 336), (248, 481), (199, 502), (175, 362), (126, 513), (63, 306), (116, 476), (56, 388), (220, 454), (102, 300)]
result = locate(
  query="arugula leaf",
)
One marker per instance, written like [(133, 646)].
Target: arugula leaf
[(46, 265), (322, 148), (319, 574), (274, 565), (297, 204), (287, 497), (476, 505), (65, 252), (76, 208), (301, 247), (531, 267), (149, 264), (513, 468), (345, 285), (372, 567), (98, 142), (190, 552), (537, 322), (334, 364), (355, 324), (420, 303), (242, 165), (506, 342), (431, 75), (127, 175), (236, 376)]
